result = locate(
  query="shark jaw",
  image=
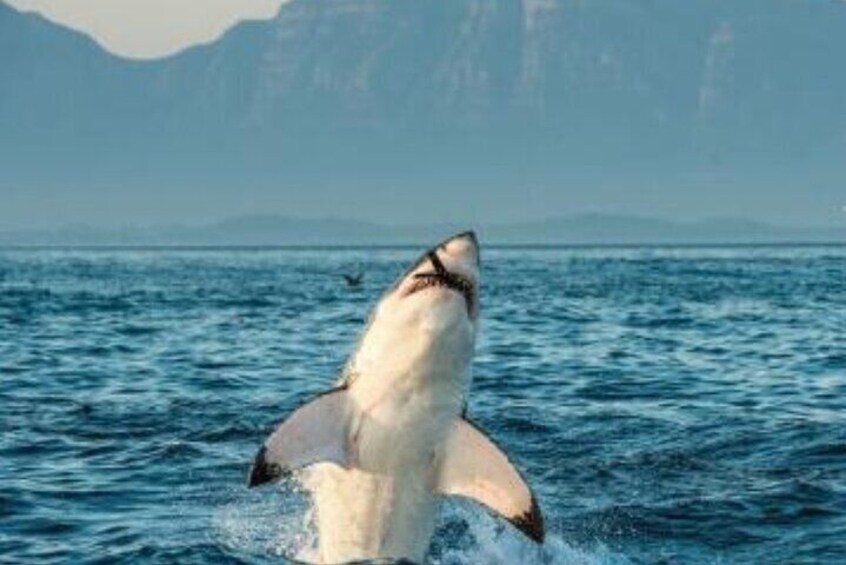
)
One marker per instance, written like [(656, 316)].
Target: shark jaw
[(452, 265), (442, 278), (379, 451)]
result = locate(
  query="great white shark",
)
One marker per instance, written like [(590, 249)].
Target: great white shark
[(378, 451)]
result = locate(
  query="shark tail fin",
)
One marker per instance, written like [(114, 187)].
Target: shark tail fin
[(315, 432), (474, 467)]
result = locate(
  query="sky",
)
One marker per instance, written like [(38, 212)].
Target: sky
[(137, 28)]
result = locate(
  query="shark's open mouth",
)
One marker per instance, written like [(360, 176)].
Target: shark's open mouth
[(445, 279)]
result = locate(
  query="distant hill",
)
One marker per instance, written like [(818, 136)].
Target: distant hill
[(431, 96), (577, 230), (710, 73)]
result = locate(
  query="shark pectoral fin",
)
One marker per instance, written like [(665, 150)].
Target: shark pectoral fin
[(316, 432), (474, 467)]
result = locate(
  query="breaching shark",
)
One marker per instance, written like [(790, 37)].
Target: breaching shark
[(379, 451)]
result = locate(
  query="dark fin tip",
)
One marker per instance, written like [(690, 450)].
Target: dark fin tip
[(531, 523), (261, 471)]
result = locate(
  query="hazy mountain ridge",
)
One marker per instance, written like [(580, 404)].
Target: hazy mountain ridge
[(692, 73), (437, 97), (577, 230)]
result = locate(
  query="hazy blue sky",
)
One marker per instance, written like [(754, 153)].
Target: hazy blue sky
[(150, 28)]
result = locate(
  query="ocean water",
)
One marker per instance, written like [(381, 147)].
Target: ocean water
[(668, 405)]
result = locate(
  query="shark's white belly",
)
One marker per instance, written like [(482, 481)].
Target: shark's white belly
[(385, 505), (362, 515)]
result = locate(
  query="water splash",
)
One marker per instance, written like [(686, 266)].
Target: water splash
[(270, 523), (280, 524), (467, 534)]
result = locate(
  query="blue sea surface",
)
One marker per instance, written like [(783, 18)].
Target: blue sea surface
[(668, 405)]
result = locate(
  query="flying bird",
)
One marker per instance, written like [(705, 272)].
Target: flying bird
[(354, 281)]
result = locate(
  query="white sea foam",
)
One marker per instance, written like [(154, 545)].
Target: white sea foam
[(490, 541), (280, 524), (270, 522)]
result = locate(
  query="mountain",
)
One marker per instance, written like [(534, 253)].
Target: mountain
[(431, 96), (587, 229), (714, 74)]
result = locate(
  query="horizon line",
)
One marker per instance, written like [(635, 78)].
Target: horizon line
[(411, 245)]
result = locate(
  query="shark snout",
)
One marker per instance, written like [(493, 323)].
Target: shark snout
[(456, 256), (462, 247)]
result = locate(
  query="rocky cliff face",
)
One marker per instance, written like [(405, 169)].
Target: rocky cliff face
[(549, 83), (706, 63)]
